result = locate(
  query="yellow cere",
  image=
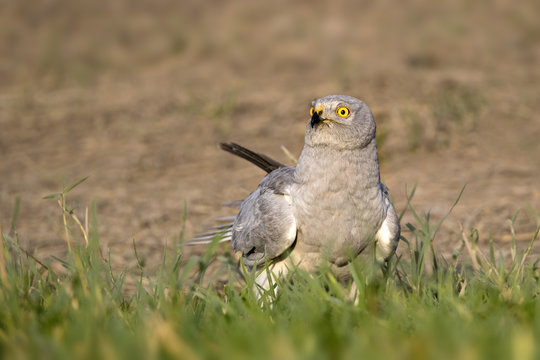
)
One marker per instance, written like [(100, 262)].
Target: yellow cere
[(319, 110), (343, 111)]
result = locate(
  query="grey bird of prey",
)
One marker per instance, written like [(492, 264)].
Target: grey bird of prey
[(330, 207)]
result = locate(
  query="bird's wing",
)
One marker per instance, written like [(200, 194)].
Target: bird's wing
[(264, 162), (388, 234), (223, 229), (265, 226)]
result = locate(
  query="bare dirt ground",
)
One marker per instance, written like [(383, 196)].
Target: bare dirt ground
[(137, 97)]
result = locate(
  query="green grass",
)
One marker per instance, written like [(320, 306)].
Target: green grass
[(467, 307)]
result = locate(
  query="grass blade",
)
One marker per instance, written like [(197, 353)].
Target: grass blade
[(72, 186)]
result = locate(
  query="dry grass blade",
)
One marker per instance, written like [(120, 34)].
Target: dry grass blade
[(473, 255), (84, 229), (293, 158)]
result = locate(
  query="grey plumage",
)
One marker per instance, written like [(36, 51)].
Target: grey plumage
[(330, 207), (265, 225)]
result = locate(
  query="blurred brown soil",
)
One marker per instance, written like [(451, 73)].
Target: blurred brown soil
[(137, 97)]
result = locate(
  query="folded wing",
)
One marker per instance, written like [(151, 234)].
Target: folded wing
[(265, 226)]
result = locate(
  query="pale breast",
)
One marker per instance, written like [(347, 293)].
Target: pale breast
[(337, 223)]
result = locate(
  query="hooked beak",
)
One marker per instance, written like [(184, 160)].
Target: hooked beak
[(315, 118)]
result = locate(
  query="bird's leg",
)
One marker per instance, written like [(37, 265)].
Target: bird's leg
[(266, 280)]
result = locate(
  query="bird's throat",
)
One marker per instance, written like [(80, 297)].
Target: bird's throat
[(323, 164)]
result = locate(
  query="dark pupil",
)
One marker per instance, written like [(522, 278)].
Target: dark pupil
[(342, 112)]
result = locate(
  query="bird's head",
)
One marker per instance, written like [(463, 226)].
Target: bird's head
[(340, 121)]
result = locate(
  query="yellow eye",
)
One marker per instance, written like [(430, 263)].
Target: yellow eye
[(311, 111), (343, 111)]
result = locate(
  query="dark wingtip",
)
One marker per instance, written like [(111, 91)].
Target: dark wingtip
[(264, 162), (226, 146)]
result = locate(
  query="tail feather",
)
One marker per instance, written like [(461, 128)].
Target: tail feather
[(225, 230), (264, 162), (233, 204), (219, 227), (204, 241), (229, 219), (209, 237)]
